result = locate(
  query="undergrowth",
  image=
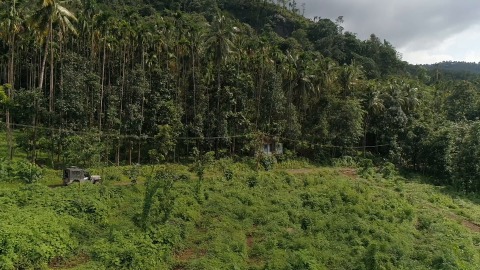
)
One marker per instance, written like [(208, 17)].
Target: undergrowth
[(240, 217)]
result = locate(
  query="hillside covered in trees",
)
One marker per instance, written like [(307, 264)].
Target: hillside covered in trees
[(192, 89), (123, 82)]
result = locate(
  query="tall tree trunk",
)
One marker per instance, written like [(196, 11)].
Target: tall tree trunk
[(42, 70), (130, 150), (122, 90), (35, 117), (52, 89), (102, 86), (34, 139), (365, 136), (219, 87), (194, 84), (11, 81), (259, 97)]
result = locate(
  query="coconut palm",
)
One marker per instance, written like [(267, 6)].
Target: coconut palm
[(50, 14), (220, 44), (348, 77), (10, 26), (373, 104)]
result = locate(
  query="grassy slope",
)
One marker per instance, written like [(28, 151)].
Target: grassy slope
[(295, 217)]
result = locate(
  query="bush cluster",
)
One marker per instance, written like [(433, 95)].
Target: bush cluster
[(19, 170)]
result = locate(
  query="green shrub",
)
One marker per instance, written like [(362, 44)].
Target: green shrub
[(133, 172), (27, 172), (112, 175), (19, 170), (345, 161), (228, 173), (389, 171), (367, 169), (31, 237), (128, 250), (252, 181), (268, 162)]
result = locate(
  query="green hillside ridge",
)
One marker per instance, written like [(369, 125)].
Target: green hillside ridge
[(455, 66), (298, 216)]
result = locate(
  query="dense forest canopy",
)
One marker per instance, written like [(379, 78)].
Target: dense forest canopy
[(146, 81)]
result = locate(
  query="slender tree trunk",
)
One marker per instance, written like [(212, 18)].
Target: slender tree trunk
[(194, 84), (142, 108), (102, 86), (117, 154), (34, 139), (11, 81), (365, 136), (139, 157), (35, 117), (130, 150), (60, 141), (52, 89), (122, 90), (42, 70), (219, 88)]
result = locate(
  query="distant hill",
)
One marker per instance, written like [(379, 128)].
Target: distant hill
[(455, 66)]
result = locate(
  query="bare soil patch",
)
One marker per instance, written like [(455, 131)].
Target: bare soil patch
[(349, 172), (472, 226), (189, 254), (60, 263)]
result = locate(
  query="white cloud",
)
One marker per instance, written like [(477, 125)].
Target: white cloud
[(425, 57), (424, 31), (458, 47)]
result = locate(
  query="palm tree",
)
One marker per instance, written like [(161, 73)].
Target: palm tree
[(373, 105), (220, 44), (349, 77), (50, 13), (11, 26), (326, 75)]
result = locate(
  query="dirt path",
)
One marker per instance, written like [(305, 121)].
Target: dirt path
[(474, 227), (349, 172)]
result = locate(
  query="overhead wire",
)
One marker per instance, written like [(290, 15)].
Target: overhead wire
[(146, 137)]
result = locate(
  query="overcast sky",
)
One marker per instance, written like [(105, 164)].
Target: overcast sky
[(423, 31)]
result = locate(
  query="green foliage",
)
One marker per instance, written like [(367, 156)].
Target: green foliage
[(159, 200), (228, 173), (258, 220), (31, 241), (388, 170), (127, 251), (463, 158), (165, 139), (85, 150), (267, 162), (133, 173), (367, 169), (19, 170), (3, 96), (155, 81), (345, 161), (252, 181)]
